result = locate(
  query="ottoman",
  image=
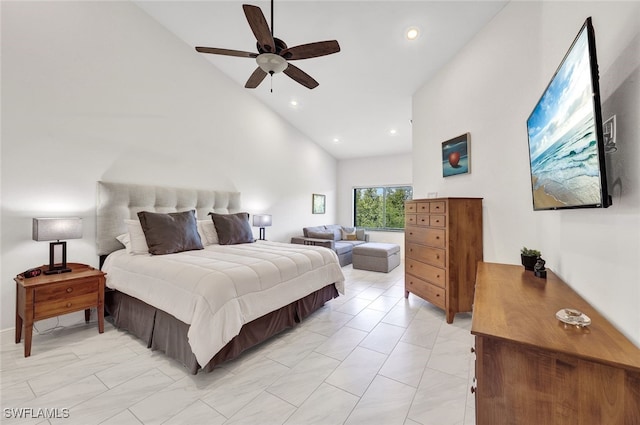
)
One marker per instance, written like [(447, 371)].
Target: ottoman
[(376, 257)]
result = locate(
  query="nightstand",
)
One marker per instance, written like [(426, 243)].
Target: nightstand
[(53, 295)]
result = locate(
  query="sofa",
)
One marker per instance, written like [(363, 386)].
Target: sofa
[(339, 238)]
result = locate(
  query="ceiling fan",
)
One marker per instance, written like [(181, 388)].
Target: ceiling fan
[(273, 54)]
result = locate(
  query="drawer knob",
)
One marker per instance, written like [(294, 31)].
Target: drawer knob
[(473, 390), (473, 350), (437, 237), (437, 257), (68, 305), (69, 290)]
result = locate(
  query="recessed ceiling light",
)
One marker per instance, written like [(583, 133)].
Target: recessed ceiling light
[(412, 33), (294, 103), (336, 140), (392, 131)]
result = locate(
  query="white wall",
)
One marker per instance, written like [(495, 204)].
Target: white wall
[(99, 91), (489, 89), (377, 171)]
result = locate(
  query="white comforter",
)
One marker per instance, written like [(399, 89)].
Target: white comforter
[(223, 286)]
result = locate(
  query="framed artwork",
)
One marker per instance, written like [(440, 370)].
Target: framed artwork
[(456, 158), (318, 204)]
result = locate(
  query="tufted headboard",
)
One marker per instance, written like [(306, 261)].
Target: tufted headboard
[(119, 201)]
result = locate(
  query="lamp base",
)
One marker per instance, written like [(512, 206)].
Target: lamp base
[(57, 271)]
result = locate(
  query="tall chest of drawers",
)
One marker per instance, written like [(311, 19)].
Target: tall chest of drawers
[(443, 244)]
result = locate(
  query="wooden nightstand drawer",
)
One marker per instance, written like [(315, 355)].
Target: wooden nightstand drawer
[(410, 207), (437, 220), (437, 207), (427, 254), (425, 290), (64, 306), (410, 220), (66, 289), (433, 274)]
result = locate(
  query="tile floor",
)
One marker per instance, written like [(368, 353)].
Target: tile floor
[(370, 357)]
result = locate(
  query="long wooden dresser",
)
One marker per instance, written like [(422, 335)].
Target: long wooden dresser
[(443, 244), (531, 368)]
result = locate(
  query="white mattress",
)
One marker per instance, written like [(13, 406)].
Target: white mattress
[(223, 286)]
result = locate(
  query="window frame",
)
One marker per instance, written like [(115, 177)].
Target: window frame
[(385, 189)]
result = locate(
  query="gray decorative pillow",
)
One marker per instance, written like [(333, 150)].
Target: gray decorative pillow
[(321, 235), (232, 228), (170, 233)]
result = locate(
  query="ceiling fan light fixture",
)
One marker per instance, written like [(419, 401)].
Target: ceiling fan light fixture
[(271, 63)]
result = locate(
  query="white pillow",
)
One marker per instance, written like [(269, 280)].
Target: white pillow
[(126, 241), (208, 229), (136, 237)]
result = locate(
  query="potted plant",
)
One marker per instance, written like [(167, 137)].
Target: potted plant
[(529, 257)]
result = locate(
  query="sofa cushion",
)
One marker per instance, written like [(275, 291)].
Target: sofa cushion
[(336, 229), (306, 230), (320, 235), (342, 247)]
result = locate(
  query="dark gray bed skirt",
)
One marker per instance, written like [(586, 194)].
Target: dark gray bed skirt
[(163, 332)]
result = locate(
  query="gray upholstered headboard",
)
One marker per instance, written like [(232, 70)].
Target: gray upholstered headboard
[(119, 201)]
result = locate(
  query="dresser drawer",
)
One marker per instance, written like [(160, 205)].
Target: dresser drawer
[(432, 274), (423, 220), (425, 236), (425, 290), (66, 290), (427, 254), (437, 207), (410, 220), (410, 207), (423, 207), (44, 310), (437, 220)]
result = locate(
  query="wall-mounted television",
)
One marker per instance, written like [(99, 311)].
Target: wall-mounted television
[(566, 147)]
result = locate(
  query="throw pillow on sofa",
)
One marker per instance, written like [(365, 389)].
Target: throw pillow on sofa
[(349, 234)]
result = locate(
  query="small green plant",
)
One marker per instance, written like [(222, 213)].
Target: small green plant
[(529, 252)]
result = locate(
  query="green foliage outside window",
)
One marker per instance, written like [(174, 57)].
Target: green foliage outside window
[(381, 208)]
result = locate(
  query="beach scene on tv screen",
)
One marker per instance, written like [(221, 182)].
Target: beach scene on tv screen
[(565, 169)]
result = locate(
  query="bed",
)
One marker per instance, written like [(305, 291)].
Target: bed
[(204, 305)]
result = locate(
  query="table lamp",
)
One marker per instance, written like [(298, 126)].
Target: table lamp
[(56, 229), (262, 221)]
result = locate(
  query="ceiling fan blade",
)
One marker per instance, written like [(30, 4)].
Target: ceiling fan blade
[(226, 52), (301, 77), (260, 28), (255, 79), (311, 50)]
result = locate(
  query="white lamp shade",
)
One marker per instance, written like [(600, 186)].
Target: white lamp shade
[(262, 220), (55, 229)]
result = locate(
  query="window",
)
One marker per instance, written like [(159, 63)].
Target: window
[(380, 208)]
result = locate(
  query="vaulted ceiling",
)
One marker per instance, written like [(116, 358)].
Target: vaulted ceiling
[(362, 107)]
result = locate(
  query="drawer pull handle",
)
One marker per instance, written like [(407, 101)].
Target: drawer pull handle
[(473, 390), (68, 305), (437, 237), (437, 257), (69, 290), (473, 350)]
